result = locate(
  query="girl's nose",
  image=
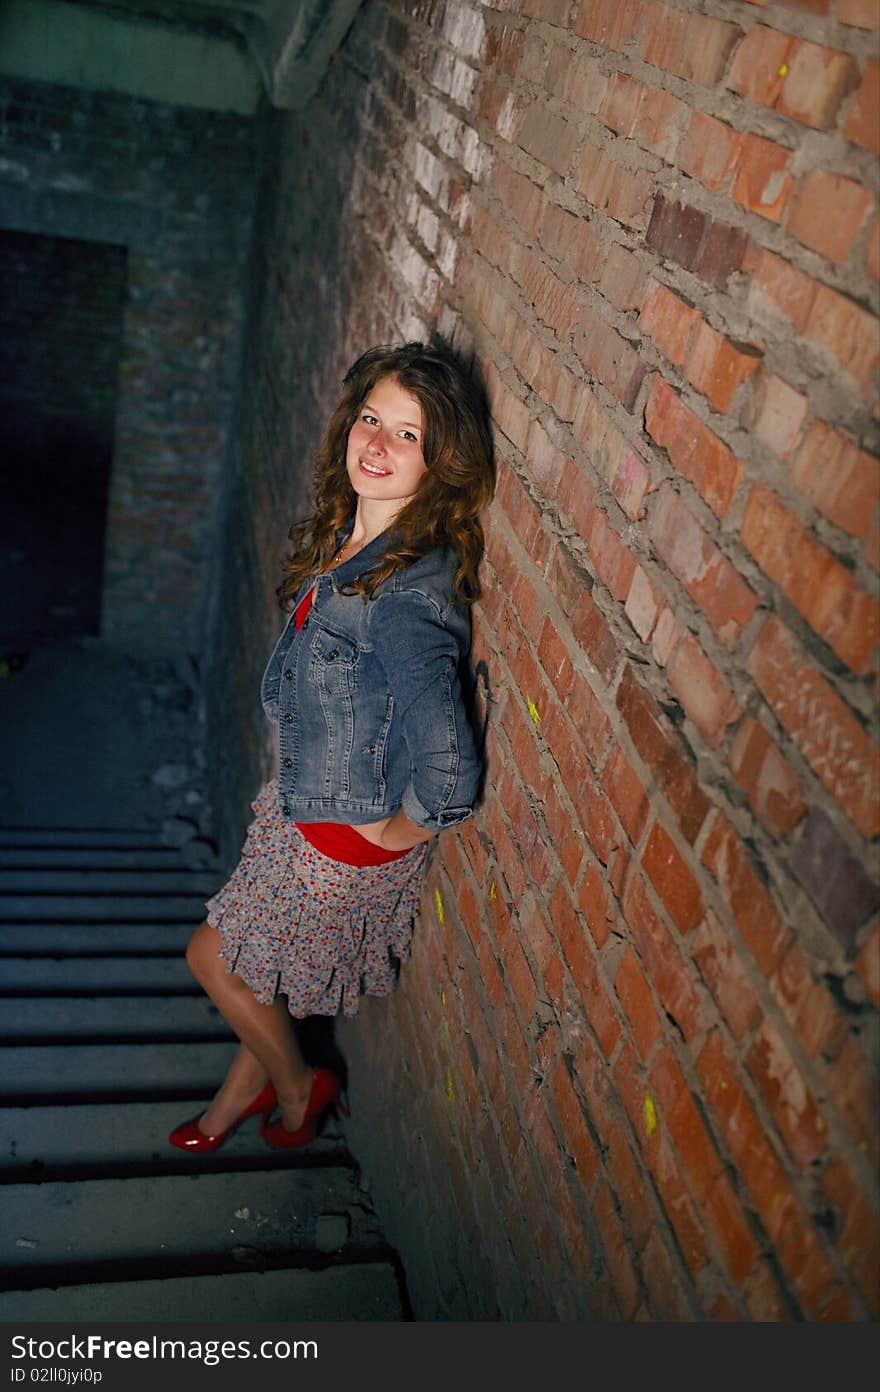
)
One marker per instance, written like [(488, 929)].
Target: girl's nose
[(377, 444)]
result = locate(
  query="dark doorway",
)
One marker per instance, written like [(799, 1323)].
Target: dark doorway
[(61, 310)]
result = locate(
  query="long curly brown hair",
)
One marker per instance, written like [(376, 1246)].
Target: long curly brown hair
[(460, 482)]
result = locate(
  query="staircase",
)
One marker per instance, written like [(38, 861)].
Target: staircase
[(108, 1043)]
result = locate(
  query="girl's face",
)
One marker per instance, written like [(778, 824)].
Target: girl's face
[(384, 456)]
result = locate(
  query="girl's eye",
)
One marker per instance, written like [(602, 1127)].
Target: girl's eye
[(370, 420), (408, 435)]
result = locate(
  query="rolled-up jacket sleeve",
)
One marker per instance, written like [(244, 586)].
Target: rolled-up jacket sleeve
[(421, 657)]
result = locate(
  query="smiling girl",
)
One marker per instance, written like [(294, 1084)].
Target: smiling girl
[(376, 752)]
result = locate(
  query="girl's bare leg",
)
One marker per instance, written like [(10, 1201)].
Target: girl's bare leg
[(269, 1046)]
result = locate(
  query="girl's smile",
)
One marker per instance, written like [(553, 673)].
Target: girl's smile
[(384, 458)]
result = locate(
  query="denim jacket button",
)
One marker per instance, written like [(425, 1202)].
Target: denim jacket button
[(332, 656), (288, 672), (286, 810), (288, 763), (288, 719)]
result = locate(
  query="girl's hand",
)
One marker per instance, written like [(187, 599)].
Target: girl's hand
[(395, 833), (372, 831)]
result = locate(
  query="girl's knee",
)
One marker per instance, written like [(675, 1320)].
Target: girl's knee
[(201, 950)]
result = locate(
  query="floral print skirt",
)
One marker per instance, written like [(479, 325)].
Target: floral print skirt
[(320, 932)]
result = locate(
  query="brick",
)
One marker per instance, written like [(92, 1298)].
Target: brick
[(673, 881), (588, 981), (571, 240), (863, 120), (661, 1160), (669, 321), (627, 794), (704, 1167), (753, 910), (623, 278), (675, 231), (867, 964), (644, 603), (668, 1302), (833, 877), (572, 590), (816, 82), (787, 1095), (548, 137), (616, 1254), (552, 298), (611, 188), (848, 333), (662, 121), (852, 1089), (710, 151), (579, 1142), (709, 703), (716, 367), (662, 751), (840, 479), (787, 1224), (611, 23), (805, 1003), (610, 359), (809, 221), (698, 454), (763, 183), (727, 976), (872, 254), (612, 560), (858, 1231), (707, 575), (622, 101), (503, 48), (819, 587), (518, 196), (661, 960), (863, 14), (575, 78), (772, 787), (635, 997), (790, 291), (779, 415), (594, 904), (694, 47), (755, 71), (721, 254)]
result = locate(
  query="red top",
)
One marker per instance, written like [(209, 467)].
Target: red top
[(336, 839)]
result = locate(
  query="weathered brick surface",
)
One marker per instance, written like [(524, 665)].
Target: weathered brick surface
[(174, 187), (627, 1073)]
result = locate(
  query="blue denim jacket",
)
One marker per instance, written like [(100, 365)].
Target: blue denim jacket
[(368, 699)]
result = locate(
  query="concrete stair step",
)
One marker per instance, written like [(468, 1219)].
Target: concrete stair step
[(147, 838), (117, 1138), (89, 858), (120, 1072), (109, 908), (124, 939), (101, 975), (93, 881), (369, 1291), (158, 1224), (88, 1018)]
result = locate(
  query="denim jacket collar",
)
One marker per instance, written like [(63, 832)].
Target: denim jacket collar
[(361, 560)]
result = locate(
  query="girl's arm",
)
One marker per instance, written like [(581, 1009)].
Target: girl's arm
[(397, 833)]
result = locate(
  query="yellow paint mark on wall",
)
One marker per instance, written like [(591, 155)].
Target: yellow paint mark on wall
[(450, 1086), (439, 902), (781, 72), (443, 999), (650, 1116), (493, 890), (533, 711)]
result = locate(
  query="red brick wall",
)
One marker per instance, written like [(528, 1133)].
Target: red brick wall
[(631, 1070)]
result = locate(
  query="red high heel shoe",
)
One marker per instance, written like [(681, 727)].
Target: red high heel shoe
[(325, 1093), (189, 1137)]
